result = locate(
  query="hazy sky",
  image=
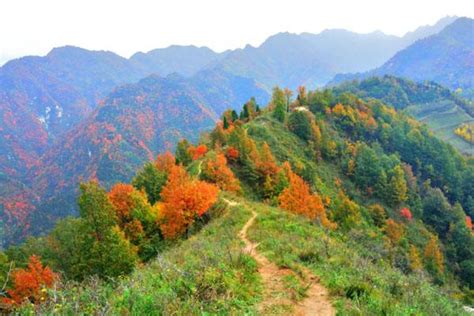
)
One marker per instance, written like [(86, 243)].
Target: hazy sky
[(33, 27)]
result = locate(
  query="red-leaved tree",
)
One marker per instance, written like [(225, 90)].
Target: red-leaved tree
[(184, 199), (406, 214), (29, 284)]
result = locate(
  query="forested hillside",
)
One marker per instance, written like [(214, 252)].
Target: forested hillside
[(441, 109), (327, 184), (132, 125), (49, 107)]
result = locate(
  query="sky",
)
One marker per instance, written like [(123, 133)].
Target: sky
[(33, 27)]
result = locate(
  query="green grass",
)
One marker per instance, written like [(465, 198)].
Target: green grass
[(360, 281), (205, 274)]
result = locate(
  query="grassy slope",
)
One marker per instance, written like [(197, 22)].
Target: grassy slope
[(443, 119), (353, 262), (359, 283), (206, 274), (210, 274)]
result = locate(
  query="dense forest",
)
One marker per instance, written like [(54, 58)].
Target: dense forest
[(361, 194)]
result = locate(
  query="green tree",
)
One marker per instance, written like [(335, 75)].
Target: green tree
[(397, 186), (4, 267), (182, 152), (279, 104), (151, 180), (299, 123), (319, 101), (234, 116), (67, 245), (467, 272), (105, 250), (225, 123), (437, 211)]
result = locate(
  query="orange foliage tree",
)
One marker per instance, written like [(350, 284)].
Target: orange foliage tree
[(469, 223), (30, 284), (215, 170), (134, 213), (184, 199), (266, 163), (164, 162), (197, 152), (232, 153), (297, 198)]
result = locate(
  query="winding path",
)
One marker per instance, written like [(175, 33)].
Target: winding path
[(316, 301)]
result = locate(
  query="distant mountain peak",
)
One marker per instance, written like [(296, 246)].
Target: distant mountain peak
[(70, 50)]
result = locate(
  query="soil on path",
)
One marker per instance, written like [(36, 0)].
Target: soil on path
[(316, 301)]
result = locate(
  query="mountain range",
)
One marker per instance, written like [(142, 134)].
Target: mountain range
[(446, 58), (76, 114)]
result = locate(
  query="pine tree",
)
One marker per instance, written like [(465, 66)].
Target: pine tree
[(225, 123), (234, 116)]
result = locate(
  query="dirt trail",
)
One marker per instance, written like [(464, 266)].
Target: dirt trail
[(315, 303)]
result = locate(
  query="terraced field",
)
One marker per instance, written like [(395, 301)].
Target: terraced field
[(443, 118)]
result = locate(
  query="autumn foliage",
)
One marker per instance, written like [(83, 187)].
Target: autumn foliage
[(232, 153), (164, 162), (119, 195), (469, 223), (215, 170), (183, 200), (297, 198), (266, 163), (406, 214), (197, 152), (30, 284), (433, 256), (134, 213), (394, 231)]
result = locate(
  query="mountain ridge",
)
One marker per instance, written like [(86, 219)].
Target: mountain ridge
[(445, 57)]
